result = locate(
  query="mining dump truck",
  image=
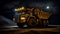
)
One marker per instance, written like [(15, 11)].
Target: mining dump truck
[(34, 17)]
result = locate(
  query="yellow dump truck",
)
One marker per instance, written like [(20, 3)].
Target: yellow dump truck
[(40, 17)]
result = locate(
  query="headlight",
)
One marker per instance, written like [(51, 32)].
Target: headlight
[(19, 9), (23, 18)]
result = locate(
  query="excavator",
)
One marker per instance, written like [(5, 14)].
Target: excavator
[(33, 17)]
